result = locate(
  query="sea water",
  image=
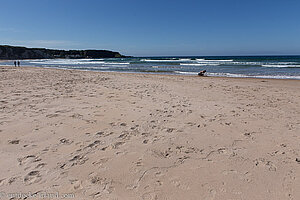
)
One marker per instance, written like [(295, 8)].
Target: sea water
[(278, 67)]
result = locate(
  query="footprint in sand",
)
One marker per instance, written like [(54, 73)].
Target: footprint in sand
[(123, 124), (145, 141), (2, 181), (170, 130), (32, 177), (177, 183), (117, 144), (77, 185), (211, 195), (98, 186), (41, 165), (52, 115), (28, 159), (14, 141), (65, 141), (78, 159), (149, 196), (265, 163), (100, 162)]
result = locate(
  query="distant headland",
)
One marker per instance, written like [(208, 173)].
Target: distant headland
[(15, 52)]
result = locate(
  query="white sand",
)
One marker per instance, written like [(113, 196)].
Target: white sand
[(132, 136)]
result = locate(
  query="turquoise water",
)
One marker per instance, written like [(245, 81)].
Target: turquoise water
[(279, 67)]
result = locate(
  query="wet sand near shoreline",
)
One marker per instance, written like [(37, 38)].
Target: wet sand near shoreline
[(137, 136)]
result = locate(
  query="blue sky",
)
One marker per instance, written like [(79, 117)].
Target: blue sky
[(156, 27)]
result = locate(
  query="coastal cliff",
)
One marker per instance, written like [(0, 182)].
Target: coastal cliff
[(14, 52)]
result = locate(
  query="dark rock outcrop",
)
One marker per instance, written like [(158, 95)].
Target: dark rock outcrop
[(13, 52)]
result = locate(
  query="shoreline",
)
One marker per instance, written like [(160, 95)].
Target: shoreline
[(134, 136), (156, 74)]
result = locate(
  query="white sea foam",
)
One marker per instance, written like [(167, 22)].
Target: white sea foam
[(253, 76), (115, 63), (217, 60), (279, 77), (264, 64), (246, 63), (89, 62), (295, 66), (200, 64), (191, 64), (88, 68), (213, 62), (168, 60), (66, 62), (150, 60), (85, 68), (76, 62), (89, 59), (7, 65), (115, 66), (241, 75), (226, 75), (185, 59), (187, 73)]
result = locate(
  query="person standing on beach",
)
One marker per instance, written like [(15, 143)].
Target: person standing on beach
[(15, 64), (18, 63)]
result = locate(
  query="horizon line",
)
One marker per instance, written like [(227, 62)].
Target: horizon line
[(231, 55)]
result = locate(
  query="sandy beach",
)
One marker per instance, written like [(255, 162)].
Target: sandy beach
[(114, 136)]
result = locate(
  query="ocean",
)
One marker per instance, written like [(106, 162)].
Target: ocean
[(277, 67)]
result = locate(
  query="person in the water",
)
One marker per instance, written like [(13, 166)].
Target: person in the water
[(201, 73)]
